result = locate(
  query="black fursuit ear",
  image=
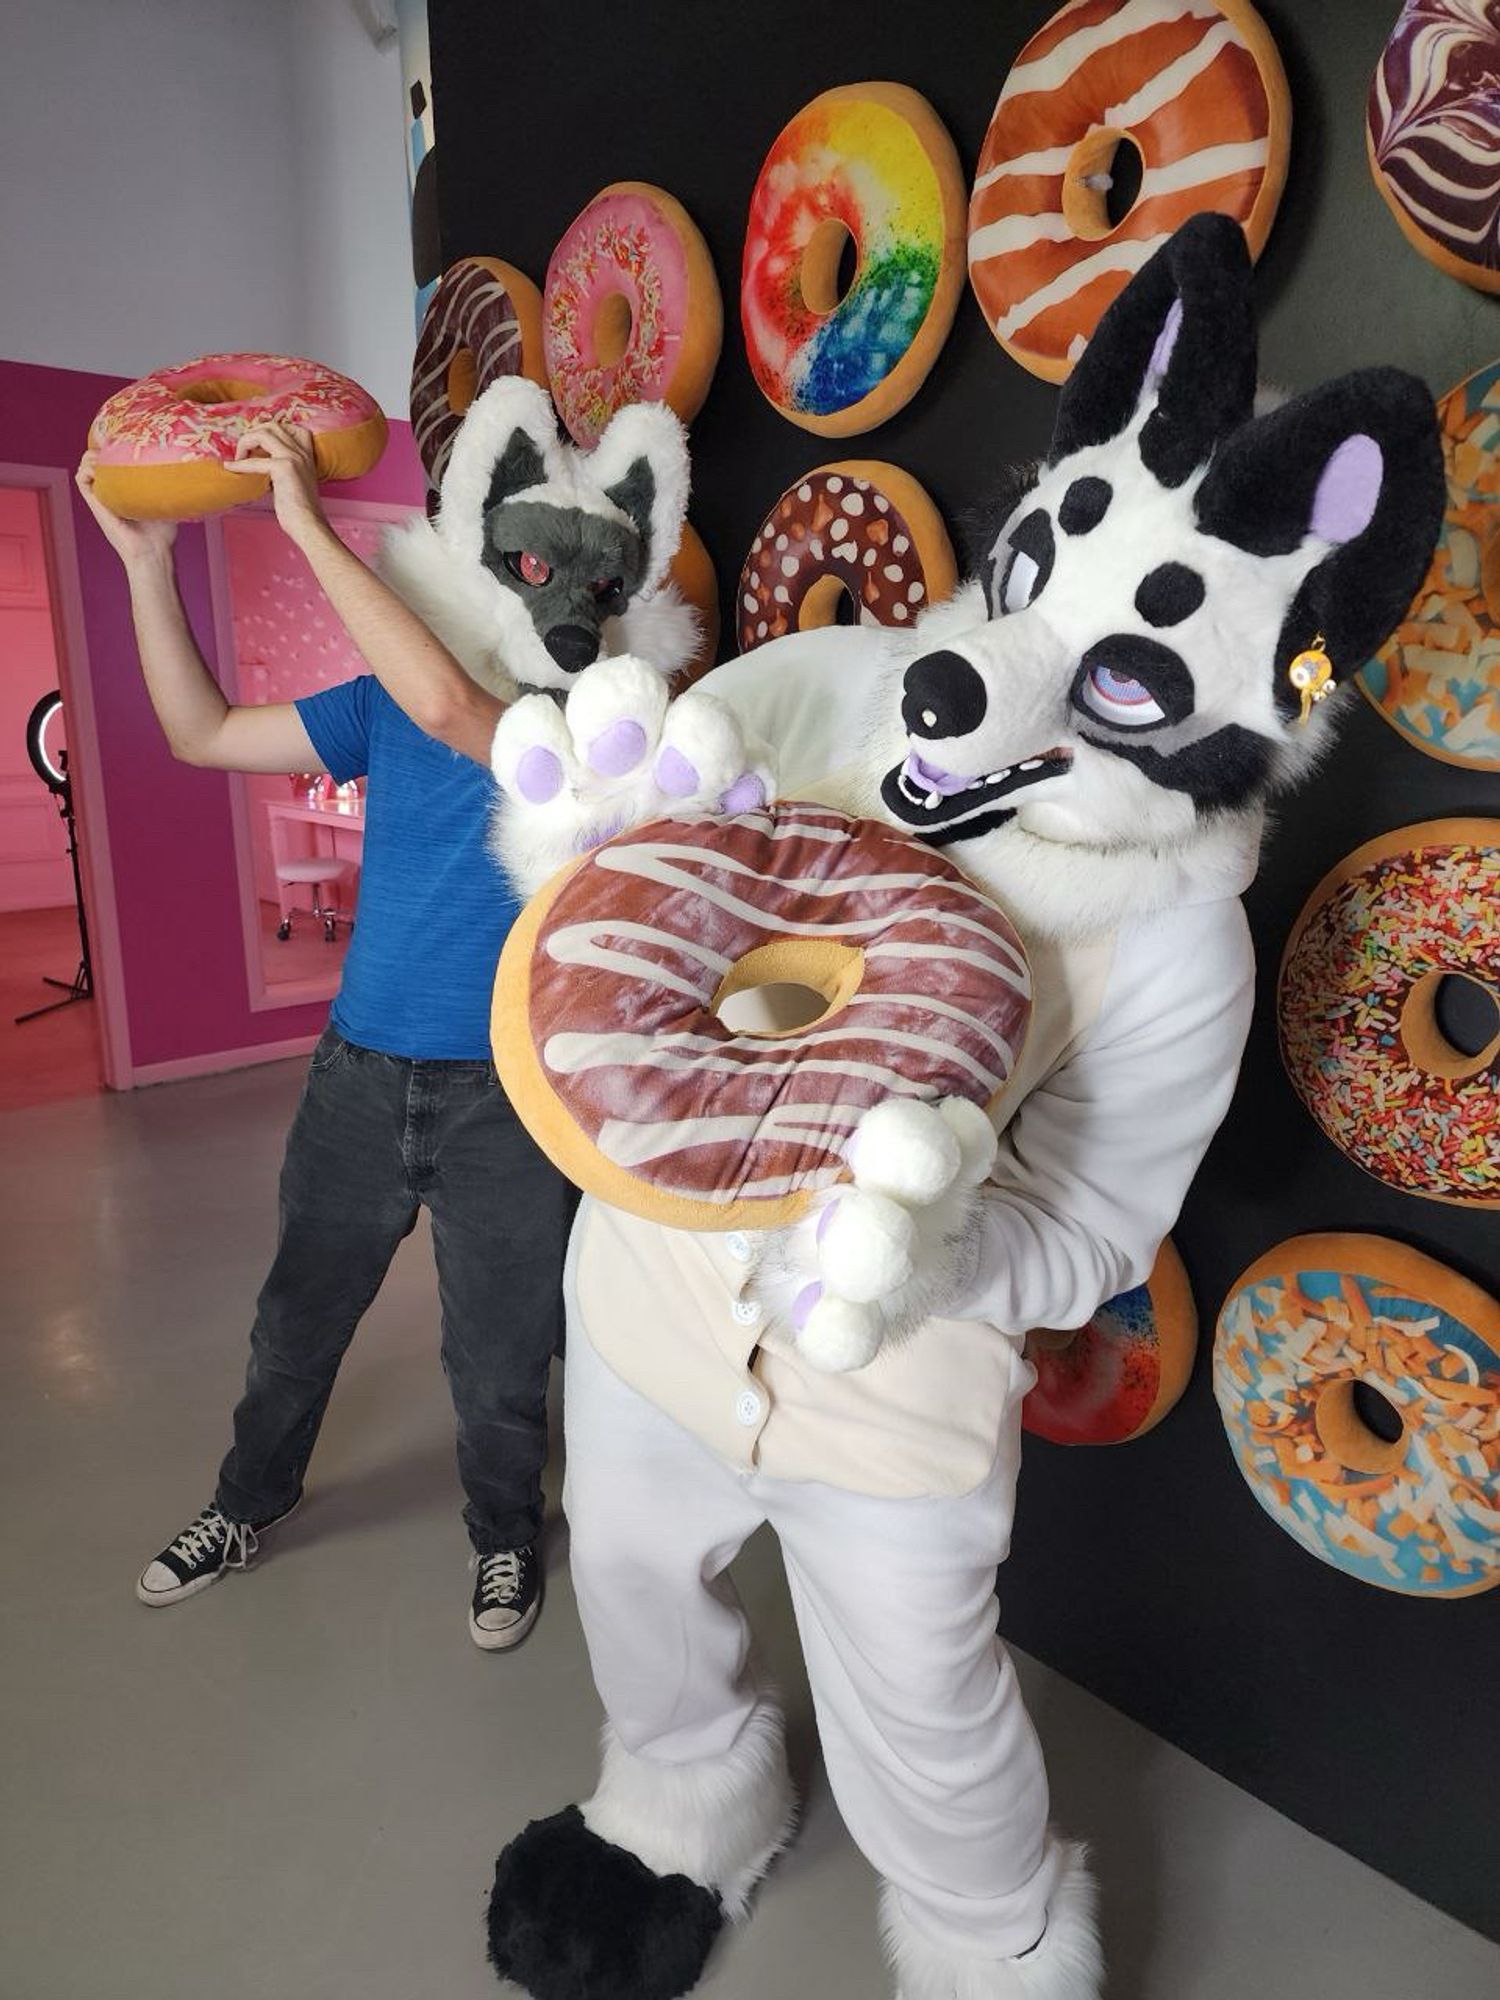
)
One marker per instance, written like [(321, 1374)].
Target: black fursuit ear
[(1183, 331), (1357, 464)]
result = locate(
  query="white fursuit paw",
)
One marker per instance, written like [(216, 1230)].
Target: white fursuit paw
[(615, 755), (882, 1252)]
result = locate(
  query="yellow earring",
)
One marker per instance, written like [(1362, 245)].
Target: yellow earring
[(1311, 674)]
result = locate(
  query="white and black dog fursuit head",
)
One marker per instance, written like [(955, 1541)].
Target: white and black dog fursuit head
[(543, 558), (1128, 691)]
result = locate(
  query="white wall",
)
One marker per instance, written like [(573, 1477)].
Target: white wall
[(180, 176)]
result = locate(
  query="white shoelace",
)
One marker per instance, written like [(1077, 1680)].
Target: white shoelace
[(500, 1577), (212, 1528)]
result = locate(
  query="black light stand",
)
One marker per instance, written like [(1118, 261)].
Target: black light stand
[(55, 777)]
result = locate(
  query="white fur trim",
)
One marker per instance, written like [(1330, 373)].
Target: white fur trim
[(663, 629), (721, 1821), (652, 432), (1067, 1965), (512, 404), (462, 605)]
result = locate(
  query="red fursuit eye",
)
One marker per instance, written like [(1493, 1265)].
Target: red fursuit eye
[(532, 568)]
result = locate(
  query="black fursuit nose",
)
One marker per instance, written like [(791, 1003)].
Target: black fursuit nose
[(942, 695), (572, 646)]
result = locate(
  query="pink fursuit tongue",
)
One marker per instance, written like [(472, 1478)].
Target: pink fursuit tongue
[(932, 779)]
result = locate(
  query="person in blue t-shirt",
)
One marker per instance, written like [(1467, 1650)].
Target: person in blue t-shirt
[(402, 1109)]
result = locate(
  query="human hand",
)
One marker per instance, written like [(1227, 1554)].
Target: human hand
[(134, 542), (284, 452)]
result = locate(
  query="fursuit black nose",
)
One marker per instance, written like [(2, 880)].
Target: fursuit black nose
[(572, 646), (942, 695)]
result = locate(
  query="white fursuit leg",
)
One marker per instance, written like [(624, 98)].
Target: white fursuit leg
[(1066, 1965), (720, 1821)]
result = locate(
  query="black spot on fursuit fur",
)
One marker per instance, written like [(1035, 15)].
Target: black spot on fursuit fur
[(1168, 594), (574, 1918), (1084, 505)]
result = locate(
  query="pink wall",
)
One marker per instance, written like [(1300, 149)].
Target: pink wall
[(34, 871), (170, 832)]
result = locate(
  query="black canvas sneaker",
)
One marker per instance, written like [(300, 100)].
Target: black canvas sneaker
[(507, 1598), (200, 1555)]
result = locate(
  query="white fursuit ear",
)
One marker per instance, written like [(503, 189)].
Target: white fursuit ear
[(513, 427), (641, 462)]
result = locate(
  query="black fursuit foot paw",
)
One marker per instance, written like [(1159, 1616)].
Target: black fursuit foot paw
[(574, 1918)]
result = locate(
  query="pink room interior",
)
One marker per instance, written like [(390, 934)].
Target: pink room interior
[(177, 991)]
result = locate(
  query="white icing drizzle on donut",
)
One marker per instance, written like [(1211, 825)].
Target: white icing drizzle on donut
[(664, 1087)]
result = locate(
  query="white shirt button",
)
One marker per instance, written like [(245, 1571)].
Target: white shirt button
[(747, 1408), (739, 1247), (746, 1311)]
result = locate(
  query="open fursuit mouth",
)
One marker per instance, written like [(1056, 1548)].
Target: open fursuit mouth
[(924, 795)]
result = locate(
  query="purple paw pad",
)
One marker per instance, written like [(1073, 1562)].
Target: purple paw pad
[(747, 794), (674, 774), (539, 775), (618, 750), (803, 1304)]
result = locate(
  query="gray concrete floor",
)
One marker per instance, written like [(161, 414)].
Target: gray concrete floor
[(295, 1783)]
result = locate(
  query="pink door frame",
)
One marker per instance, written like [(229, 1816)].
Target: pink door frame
[(263, 998), (65, 592)]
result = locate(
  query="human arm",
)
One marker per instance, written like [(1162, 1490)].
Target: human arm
[(200, 726), (414, 668), (1095, 1166)]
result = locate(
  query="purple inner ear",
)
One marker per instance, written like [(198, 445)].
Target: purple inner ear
[(1166, 340), (1349, 490)]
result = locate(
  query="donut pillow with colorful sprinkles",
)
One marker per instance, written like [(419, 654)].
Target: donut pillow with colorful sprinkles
[(1359, 1384), (1360, 1002), (864, 176), (631, 310), (1437, 678)]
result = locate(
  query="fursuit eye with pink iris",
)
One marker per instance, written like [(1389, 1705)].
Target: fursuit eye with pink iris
[(1121, 698), (532, 568)]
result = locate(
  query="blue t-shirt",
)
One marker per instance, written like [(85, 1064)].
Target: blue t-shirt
[(433, 907)]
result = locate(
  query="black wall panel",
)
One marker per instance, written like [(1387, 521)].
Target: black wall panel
[(1146, 1572)]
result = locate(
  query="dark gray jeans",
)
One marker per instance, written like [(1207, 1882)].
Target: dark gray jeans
[(374, 1137)]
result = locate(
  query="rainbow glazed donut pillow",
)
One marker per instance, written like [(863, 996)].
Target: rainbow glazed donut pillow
[(864, 176), (163, 442)]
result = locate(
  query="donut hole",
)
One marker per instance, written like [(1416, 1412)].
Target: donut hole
[(829, 602), (1467, 1014), (1450, 1025), (830, 264), (1101, 182), (463, 380), (786, 986), (1360, 1428), (614, 321), (223, 389)]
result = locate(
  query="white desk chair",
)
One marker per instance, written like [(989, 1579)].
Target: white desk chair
[(326, 875)]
